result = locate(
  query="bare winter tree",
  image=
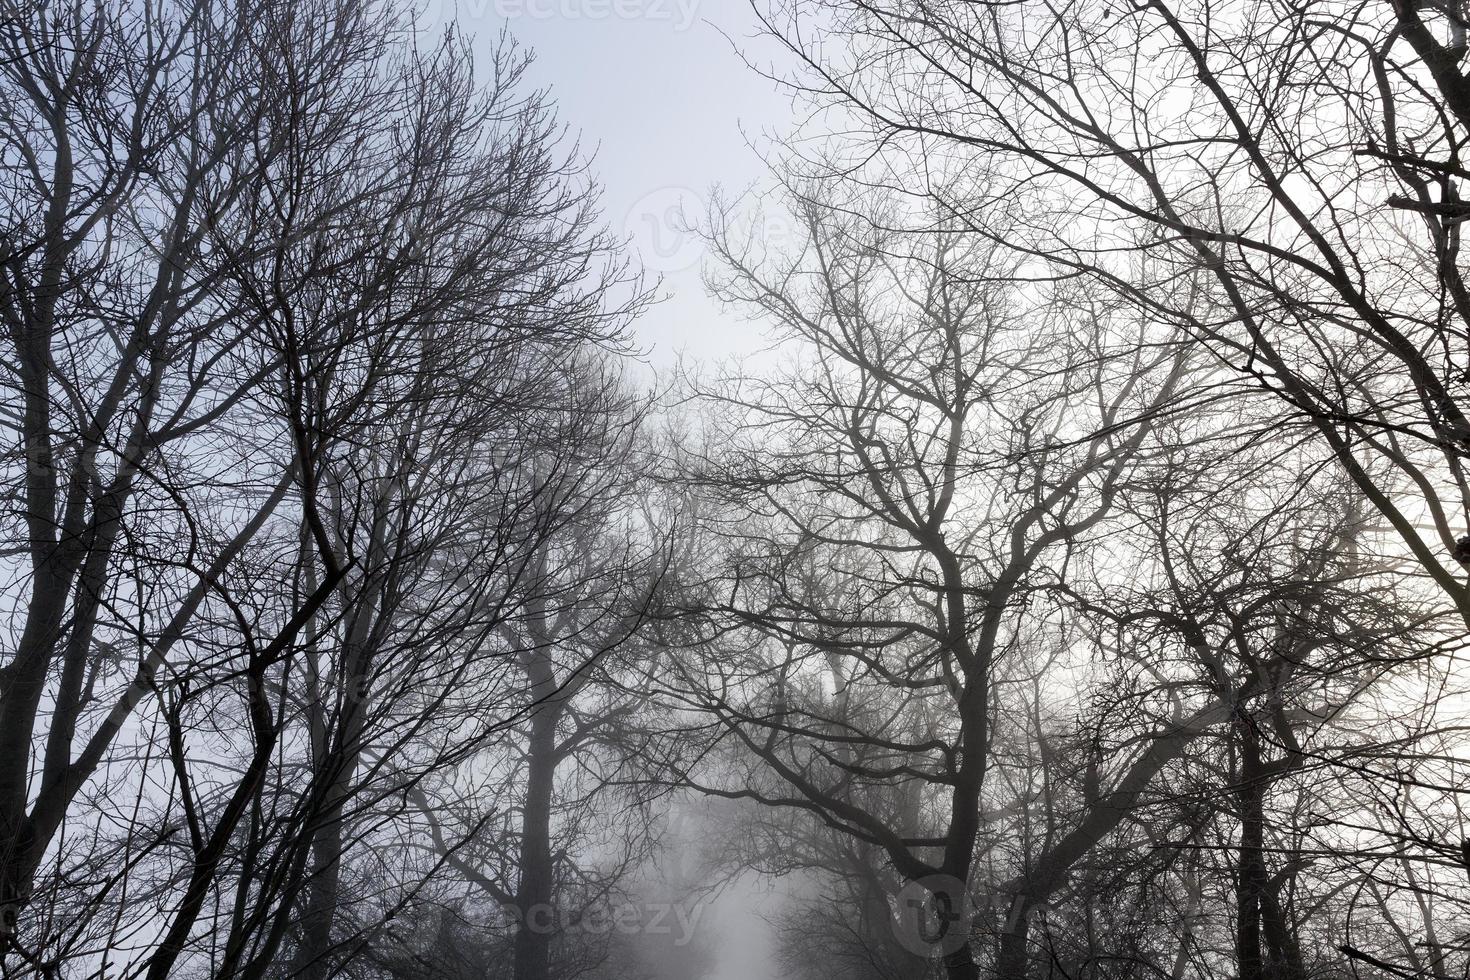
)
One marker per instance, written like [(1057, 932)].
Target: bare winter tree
[(1020, 604), (893, 519), (1277, 607), (284, 295), (567, 829), (1277, 184), (124, 129), (1303, 158)]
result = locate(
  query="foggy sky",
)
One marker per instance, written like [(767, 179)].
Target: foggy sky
[(670, 109)]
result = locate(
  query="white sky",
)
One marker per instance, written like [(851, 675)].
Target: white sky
[(658, 91)]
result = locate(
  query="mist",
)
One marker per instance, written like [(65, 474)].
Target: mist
[(791, 490)]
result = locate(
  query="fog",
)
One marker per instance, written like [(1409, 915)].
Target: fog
[(734, 490)]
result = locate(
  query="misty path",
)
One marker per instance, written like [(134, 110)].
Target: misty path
[(746, 947)]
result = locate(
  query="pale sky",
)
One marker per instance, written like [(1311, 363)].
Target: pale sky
[(657, 90)]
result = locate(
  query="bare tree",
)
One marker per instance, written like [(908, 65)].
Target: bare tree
[(123, 129), (285, 295), (891, 517), (1299, 162), (570, 824)]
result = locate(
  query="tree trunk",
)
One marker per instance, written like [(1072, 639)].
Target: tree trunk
[(1012, 955), (960, 965), (534, 889), (1250, 873), (337, 767), (1250, 881), (1286, 954)]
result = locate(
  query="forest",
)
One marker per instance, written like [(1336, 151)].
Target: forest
[(1076, 585)]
